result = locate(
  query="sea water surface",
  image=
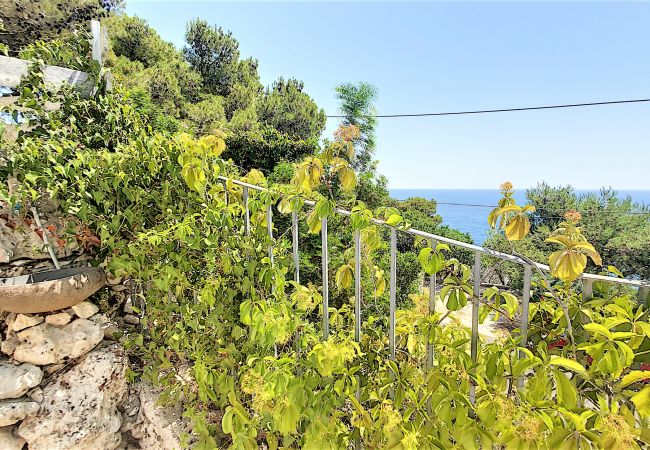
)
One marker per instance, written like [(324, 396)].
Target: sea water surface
[(455, 212)]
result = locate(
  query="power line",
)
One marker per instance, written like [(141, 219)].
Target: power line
[(586, 211), (560, 215), (488, 111)]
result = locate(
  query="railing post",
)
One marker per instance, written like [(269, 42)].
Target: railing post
[(475, 305), (269, 227), (525, 304), (432, 309), (296, 255), (644, 295), (393, 290), (225, 191), (247, 213), (326, 317), (357, 285), (587, 289), (357, 311)]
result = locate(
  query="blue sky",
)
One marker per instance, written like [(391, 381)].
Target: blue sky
[(431, 57)]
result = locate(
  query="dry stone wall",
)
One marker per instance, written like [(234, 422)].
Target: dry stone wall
[(63, 374)]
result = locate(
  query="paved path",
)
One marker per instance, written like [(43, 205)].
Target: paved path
[(489, 330)]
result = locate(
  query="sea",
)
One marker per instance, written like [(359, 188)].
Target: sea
[(467, 209)]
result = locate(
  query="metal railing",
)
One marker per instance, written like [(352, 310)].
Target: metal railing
[(587, 279)]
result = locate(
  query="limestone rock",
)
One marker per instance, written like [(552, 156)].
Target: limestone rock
[(4, 256), (128, 306), (112, 332), (158, 427), (9, 440), (15, 381), (9, 319), (85, 309), (48, 344), (20, 240), (100, 319), (113, 281), (36, 394), (9, 345), (23, 321), (131, 319), (80, 408), (12, 411), (59, 319)]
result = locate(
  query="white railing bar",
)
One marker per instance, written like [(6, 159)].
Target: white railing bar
[(296, 255), (269, 227), (247, 213), (357, 285), (476, 295), (225, 191), (525, 303), (525, 307), (393, 291), (644, 294), (466, 246), (325, 267), (587, 289), (357, 312), (432, 309)]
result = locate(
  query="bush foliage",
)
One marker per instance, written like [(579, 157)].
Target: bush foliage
[(219, 303)]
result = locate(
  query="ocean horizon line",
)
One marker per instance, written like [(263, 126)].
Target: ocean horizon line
[(517, 189)]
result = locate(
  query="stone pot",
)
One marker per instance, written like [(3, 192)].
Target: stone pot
[(49, 291)]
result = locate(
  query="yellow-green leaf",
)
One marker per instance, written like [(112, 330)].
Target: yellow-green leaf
[(517, 228), (567, 265), (642, 401), (344, 276), (314, 222), (566, 363), (634, 376), (394, 220), (348, 178)]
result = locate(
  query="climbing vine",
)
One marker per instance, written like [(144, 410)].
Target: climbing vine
[(228, 334)]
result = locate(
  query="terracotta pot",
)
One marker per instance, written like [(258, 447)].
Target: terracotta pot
[(50, 291)]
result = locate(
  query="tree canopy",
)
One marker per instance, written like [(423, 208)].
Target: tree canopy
[(287, 108), (618, 229), (26, 22), (207, 87), (213, 53), (357, 105)]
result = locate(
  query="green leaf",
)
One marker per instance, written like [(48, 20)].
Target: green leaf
[(344, 276), (642, 401), (226, 420), (567, 394), (567, 364), (314, 222), (431, 262), (634, 376), (596, 328), (286, 418), (394, 220), (324, 208)]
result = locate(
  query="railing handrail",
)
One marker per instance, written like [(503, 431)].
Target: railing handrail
[(472, 247), (587, 279)]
